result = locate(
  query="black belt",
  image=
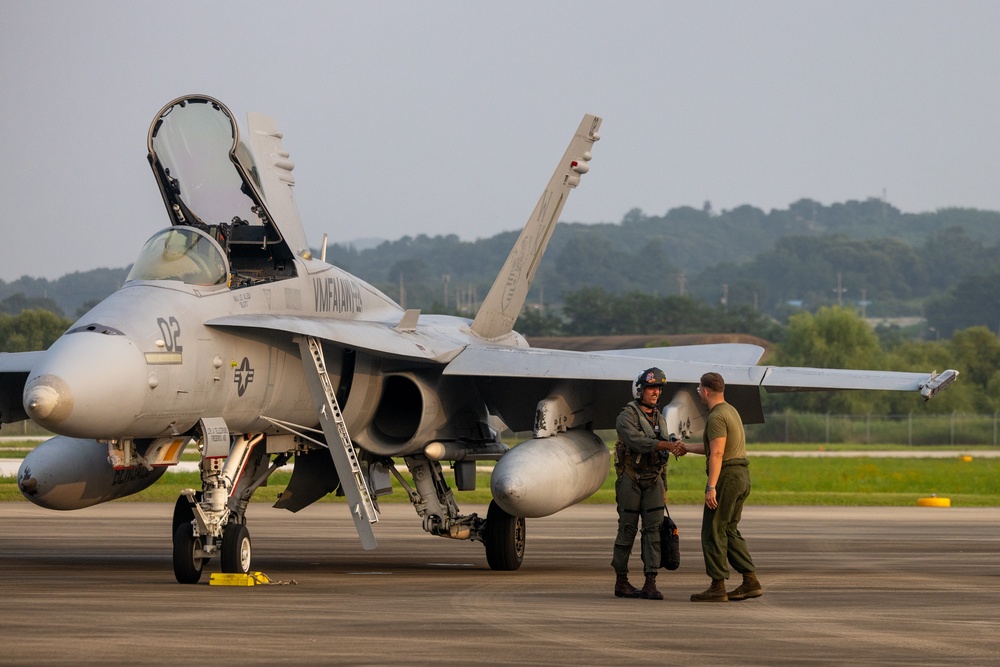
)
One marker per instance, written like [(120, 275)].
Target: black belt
[(650, 509)]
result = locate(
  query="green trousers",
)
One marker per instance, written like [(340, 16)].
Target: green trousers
[(634, 501), (720, 536)]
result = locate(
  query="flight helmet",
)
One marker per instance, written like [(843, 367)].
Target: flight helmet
[(651, 377)]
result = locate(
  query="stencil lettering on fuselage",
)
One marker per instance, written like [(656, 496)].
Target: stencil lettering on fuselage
[(337, 295), (170, 329)]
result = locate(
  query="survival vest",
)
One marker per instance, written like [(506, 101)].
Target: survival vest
[(640, 466)]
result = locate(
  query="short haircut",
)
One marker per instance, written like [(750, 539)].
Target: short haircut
[(713, 382)]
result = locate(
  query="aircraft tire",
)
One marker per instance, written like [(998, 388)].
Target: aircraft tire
[(503, 537), (236, 552), (187, 567)]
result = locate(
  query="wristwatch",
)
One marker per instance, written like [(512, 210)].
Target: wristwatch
[(709, 488)]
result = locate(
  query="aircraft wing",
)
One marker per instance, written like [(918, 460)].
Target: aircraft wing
[(683, 368), (14, 370), (719, 353), (686, 364), (377, 337)]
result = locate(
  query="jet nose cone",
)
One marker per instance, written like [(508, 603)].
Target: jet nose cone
[(87, 385), (48, 400)]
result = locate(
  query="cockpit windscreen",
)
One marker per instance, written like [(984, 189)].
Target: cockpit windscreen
[(181, 253)]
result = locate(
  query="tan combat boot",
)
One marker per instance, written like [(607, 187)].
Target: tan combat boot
[(750, 588), (714, 593), (649, 591), (623, 589)]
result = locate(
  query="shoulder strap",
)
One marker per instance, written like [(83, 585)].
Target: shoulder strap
[(643, 421)]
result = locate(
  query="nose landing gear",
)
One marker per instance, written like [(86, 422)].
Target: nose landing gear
[(212, 522)]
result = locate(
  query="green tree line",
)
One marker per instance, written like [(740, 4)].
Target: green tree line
[(885, 262), (838, 338), (939, 265)]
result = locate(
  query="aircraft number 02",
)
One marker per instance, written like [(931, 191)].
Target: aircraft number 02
[(171, 330)]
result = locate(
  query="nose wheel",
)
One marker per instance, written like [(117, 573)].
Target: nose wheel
[(236, 551), (193, 548), (190, 554), (189, 559)]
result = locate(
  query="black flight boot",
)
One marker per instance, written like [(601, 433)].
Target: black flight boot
[(623, 589), (649, 591)]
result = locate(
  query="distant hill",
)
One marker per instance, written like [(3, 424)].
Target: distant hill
[(365, 243), (745, 257), (70, 292)]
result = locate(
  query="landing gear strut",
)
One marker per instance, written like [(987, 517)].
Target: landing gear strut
[(212, 521), (435, 503), (502, 534)]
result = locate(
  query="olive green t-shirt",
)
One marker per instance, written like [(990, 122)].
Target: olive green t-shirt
[(724, 422)]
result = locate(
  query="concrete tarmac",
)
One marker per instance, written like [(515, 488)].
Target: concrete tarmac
[(843, 586)]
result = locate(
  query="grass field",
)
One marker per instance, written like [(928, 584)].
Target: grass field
[(778, 480)]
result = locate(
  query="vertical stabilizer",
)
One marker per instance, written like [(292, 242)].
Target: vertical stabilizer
[(499, 311)]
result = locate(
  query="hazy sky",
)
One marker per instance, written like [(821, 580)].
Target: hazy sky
[(448, 117)]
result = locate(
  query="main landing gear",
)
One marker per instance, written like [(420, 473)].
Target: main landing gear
[(503, 537), (502, 534)]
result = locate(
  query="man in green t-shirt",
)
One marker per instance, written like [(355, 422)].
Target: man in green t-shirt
[(724, 447)]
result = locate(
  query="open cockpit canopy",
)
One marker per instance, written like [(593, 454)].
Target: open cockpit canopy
[(209, 180)]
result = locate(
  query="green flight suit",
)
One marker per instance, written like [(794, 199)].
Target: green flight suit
[(640, 487), (720, 536)]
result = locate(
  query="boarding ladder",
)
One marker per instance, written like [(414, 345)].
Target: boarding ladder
[(338, 440)]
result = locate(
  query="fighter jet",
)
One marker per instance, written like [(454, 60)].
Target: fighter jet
[(231, 337)]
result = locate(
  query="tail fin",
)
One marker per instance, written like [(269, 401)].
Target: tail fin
[(499, 311)]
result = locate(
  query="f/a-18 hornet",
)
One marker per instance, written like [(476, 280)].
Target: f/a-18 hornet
[(229, 334)]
